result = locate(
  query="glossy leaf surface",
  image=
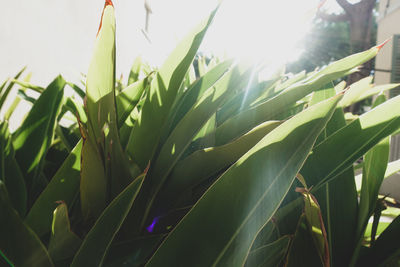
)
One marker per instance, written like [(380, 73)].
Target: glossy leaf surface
[(248, 203)]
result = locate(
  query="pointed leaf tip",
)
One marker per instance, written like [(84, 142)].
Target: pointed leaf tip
[(382, 44), (108, 3)]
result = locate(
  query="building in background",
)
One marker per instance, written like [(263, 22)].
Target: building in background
[(387, 62), (387, 70)]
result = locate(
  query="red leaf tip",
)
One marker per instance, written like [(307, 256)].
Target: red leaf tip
[(108, 3), (382, 44)]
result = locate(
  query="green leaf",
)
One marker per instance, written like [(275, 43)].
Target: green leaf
[(102, 124), (203, 163), (94, 191), (186, 130), (25, 97), (16, 101), (133, 253), (3, 85), (269, 109), (98, 240), (269, 255), (127, 99), (76, 109), (327, 163), (100, 102), (375, 163), (18, 242), (194, 93), (268, 234), (355, 138), (77, 89), (64, 186), (247, 204), (381, 227), (179, 140), (6, 92), (135, 71), (33, 138), (243, 99), (316, 225), (10, 173), (385, 247), (338, 198), (164, 87), (302, 251), (355, 90), (325, 93), (376, 90), (292, 80), (201, 65), (63, 242), (28, 85), (190, 77), (205, 137)]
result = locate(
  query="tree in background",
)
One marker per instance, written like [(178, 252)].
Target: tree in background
[(337, 35), (326, 42)]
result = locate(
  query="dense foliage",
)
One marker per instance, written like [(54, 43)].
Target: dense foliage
[(172, 169)]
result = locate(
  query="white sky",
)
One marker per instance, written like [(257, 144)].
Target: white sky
[(57, 36)]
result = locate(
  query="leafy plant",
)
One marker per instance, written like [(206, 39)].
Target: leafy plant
[(172, 169)]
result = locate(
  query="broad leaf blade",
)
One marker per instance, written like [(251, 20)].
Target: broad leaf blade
[(64, 186), (94, 191), (18, 242), (355, 90), (247, 203), (135, 71), (316, 225), (145, 135), (134, 252), (376, 90), (269, 109), (338, 198), (10, 172), (104, 149), (98, 240), (188, 172), (359, 136), (63, 242), (385, 247), (127, 99), (100, 99), (269, 255), (187, 128), (302, 251), (34, 137), (375, 163), (194, 93)]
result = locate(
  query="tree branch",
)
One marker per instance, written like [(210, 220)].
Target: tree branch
[(333, 17), (345, 5)]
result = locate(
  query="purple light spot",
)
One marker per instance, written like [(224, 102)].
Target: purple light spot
[(150, 228)]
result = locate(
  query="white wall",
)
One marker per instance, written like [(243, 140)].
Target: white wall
[(57, 36)]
